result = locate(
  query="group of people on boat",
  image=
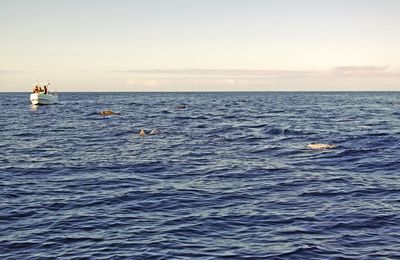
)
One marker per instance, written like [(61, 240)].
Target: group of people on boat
[(38, 89)]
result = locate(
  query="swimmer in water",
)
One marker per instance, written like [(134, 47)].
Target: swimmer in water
[(143, 133), (109, 113)]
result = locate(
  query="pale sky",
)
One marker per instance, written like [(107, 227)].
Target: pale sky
[(200, 45)]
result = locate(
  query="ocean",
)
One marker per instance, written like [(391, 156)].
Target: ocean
[(228, 176)]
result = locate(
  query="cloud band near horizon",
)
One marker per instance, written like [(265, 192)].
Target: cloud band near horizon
[(340, 70)]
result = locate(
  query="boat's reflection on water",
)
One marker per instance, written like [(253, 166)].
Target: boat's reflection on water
[(34, 107)]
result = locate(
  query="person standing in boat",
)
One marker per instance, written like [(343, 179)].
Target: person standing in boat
[(45, 89)]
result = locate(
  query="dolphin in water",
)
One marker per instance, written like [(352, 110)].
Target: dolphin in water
[(181, 106), (155, 131), (320, 146)]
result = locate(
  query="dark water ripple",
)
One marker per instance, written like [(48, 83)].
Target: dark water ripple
[(228, 176)]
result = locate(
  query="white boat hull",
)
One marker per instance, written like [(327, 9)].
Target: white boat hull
[(43, 99)]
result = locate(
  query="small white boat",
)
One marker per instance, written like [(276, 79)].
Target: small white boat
[(43, 99), (41, 96)]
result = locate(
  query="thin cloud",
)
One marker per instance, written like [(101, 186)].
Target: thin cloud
[(339, 78), (360, 70), (5, 71), (342, 71), (221, 72)]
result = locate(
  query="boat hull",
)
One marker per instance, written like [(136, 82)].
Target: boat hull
[(43, 99)]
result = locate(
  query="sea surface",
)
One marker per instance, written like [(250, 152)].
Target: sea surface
[(228, 176)]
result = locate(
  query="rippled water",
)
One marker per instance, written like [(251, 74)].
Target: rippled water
[(228, 176)]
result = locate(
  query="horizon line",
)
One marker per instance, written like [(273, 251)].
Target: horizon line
[(211, 91)]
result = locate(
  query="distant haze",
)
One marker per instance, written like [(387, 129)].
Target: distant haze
[(200, 45)]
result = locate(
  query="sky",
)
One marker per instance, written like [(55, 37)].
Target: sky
[(200, 45)]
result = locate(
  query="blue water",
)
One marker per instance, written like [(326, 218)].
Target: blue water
[(229, 176)]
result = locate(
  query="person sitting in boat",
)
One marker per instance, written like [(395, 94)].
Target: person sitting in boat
[(36, 89)]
